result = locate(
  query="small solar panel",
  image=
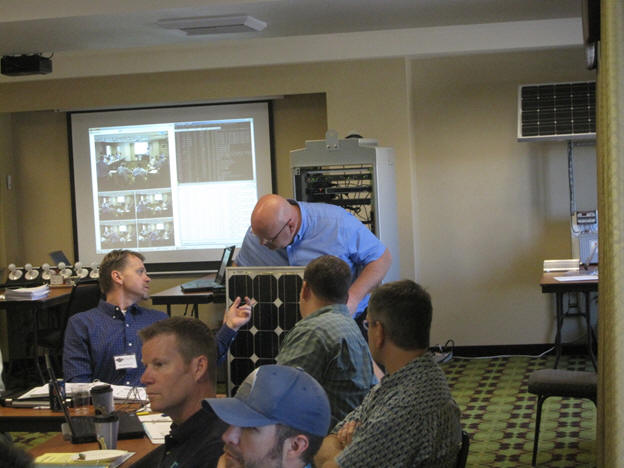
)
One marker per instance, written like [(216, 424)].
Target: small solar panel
[(276, 290), (557, 111)]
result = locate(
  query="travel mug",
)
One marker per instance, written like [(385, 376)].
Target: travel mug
[(102, 398), (106, 430)]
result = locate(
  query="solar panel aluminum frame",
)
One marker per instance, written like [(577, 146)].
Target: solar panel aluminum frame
[(557, 129), (269, 321)]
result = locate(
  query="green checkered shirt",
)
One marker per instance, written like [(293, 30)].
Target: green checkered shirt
[(329, 346)]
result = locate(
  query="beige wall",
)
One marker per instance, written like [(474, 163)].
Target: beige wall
[(490, 209), (296, 118), (478, 211), (42, 170), (8, 208)]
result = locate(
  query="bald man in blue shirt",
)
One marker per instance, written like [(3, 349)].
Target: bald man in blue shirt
[(292, 233)]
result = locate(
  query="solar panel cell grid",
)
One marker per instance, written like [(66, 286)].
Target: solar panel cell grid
[(276, 290)]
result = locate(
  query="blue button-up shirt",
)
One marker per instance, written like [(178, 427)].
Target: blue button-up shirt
[(93, 338), (325, 230)]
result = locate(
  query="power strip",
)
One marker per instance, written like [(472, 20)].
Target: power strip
[(442, 354), (443, 357)]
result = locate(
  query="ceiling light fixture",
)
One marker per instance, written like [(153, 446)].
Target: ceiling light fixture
[(214, 24)]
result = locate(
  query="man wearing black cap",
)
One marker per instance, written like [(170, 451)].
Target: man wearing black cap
[(278, 417)]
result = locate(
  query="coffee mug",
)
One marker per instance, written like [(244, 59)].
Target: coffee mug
[(102, 398), (106, 430)]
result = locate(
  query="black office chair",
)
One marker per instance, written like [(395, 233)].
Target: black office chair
[(84, 296), (462, 456)]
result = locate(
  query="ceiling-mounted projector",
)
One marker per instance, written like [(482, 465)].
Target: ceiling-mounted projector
[(19, 65), (214, 24)]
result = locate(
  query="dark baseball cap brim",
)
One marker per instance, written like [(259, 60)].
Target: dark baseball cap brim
[(236, 413)]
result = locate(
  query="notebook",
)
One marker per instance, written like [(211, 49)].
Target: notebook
[(217, 284), (82, 428)]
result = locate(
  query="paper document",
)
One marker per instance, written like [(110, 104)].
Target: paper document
[(577, 278), (90, 458), (156, 426), (120, 392)]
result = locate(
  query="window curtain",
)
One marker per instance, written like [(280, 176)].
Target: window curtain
[(610, 150)]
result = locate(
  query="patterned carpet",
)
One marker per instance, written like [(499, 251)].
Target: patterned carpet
[(498, 413)]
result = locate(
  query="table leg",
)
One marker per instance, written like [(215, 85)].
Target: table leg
[(559, 301), (36, 342), (590, 348)]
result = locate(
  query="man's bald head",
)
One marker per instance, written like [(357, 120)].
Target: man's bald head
[(274, 221)]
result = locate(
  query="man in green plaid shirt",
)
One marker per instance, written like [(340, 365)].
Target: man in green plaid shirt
[(327, 342)]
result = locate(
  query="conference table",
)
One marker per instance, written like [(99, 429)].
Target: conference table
[(571, 284), (175, 296), (31, 420), (45, 420)]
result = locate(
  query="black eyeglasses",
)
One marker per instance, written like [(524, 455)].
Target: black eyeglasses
[(270, 241), (365, 323)]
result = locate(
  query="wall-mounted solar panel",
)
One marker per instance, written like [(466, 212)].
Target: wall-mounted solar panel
[(557, 111), (276, 290)]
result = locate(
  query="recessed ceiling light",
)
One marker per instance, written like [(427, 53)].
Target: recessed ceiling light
[(214, 24)]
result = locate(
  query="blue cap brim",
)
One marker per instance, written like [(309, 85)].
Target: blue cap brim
[(236, 413)]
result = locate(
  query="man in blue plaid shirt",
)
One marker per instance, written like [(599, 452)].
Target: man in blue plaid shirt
[(327, 342)]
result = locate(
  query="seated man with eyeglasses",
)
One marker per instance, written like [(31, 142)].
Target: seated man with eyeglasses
[(293, 233), (410, 418)]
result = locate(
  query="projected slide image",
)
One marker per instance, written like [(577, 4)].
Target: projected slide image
[(214, 153), (153, 204), (155, 234), (118, 235), (116, 207), (176, 183), (127, 161)]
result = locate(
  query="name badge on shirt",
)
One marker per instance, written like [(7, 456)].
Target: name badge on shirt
[(125, 361)]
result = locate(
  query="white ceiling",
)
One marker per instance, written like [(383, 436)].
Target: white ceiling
[(51, 27), (96, 37)]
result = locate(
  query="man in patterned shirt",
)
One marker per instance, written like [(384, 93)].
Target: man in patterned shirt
[(410, 418), (327, 343)]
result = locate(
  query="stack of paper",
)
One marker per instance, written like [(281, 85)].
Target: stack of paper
[(27, 293)]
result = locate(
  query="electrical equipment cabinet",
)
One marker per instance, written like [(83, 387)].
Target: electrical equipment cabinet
[(357, 175)]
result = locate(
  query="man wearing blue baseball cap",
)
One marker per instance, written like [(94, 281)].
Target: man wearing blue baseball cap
[(278, 417)]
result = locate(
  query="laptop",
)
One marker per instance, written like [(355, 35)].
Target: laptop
[(216, 285), (59, 256), (82, 428)]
